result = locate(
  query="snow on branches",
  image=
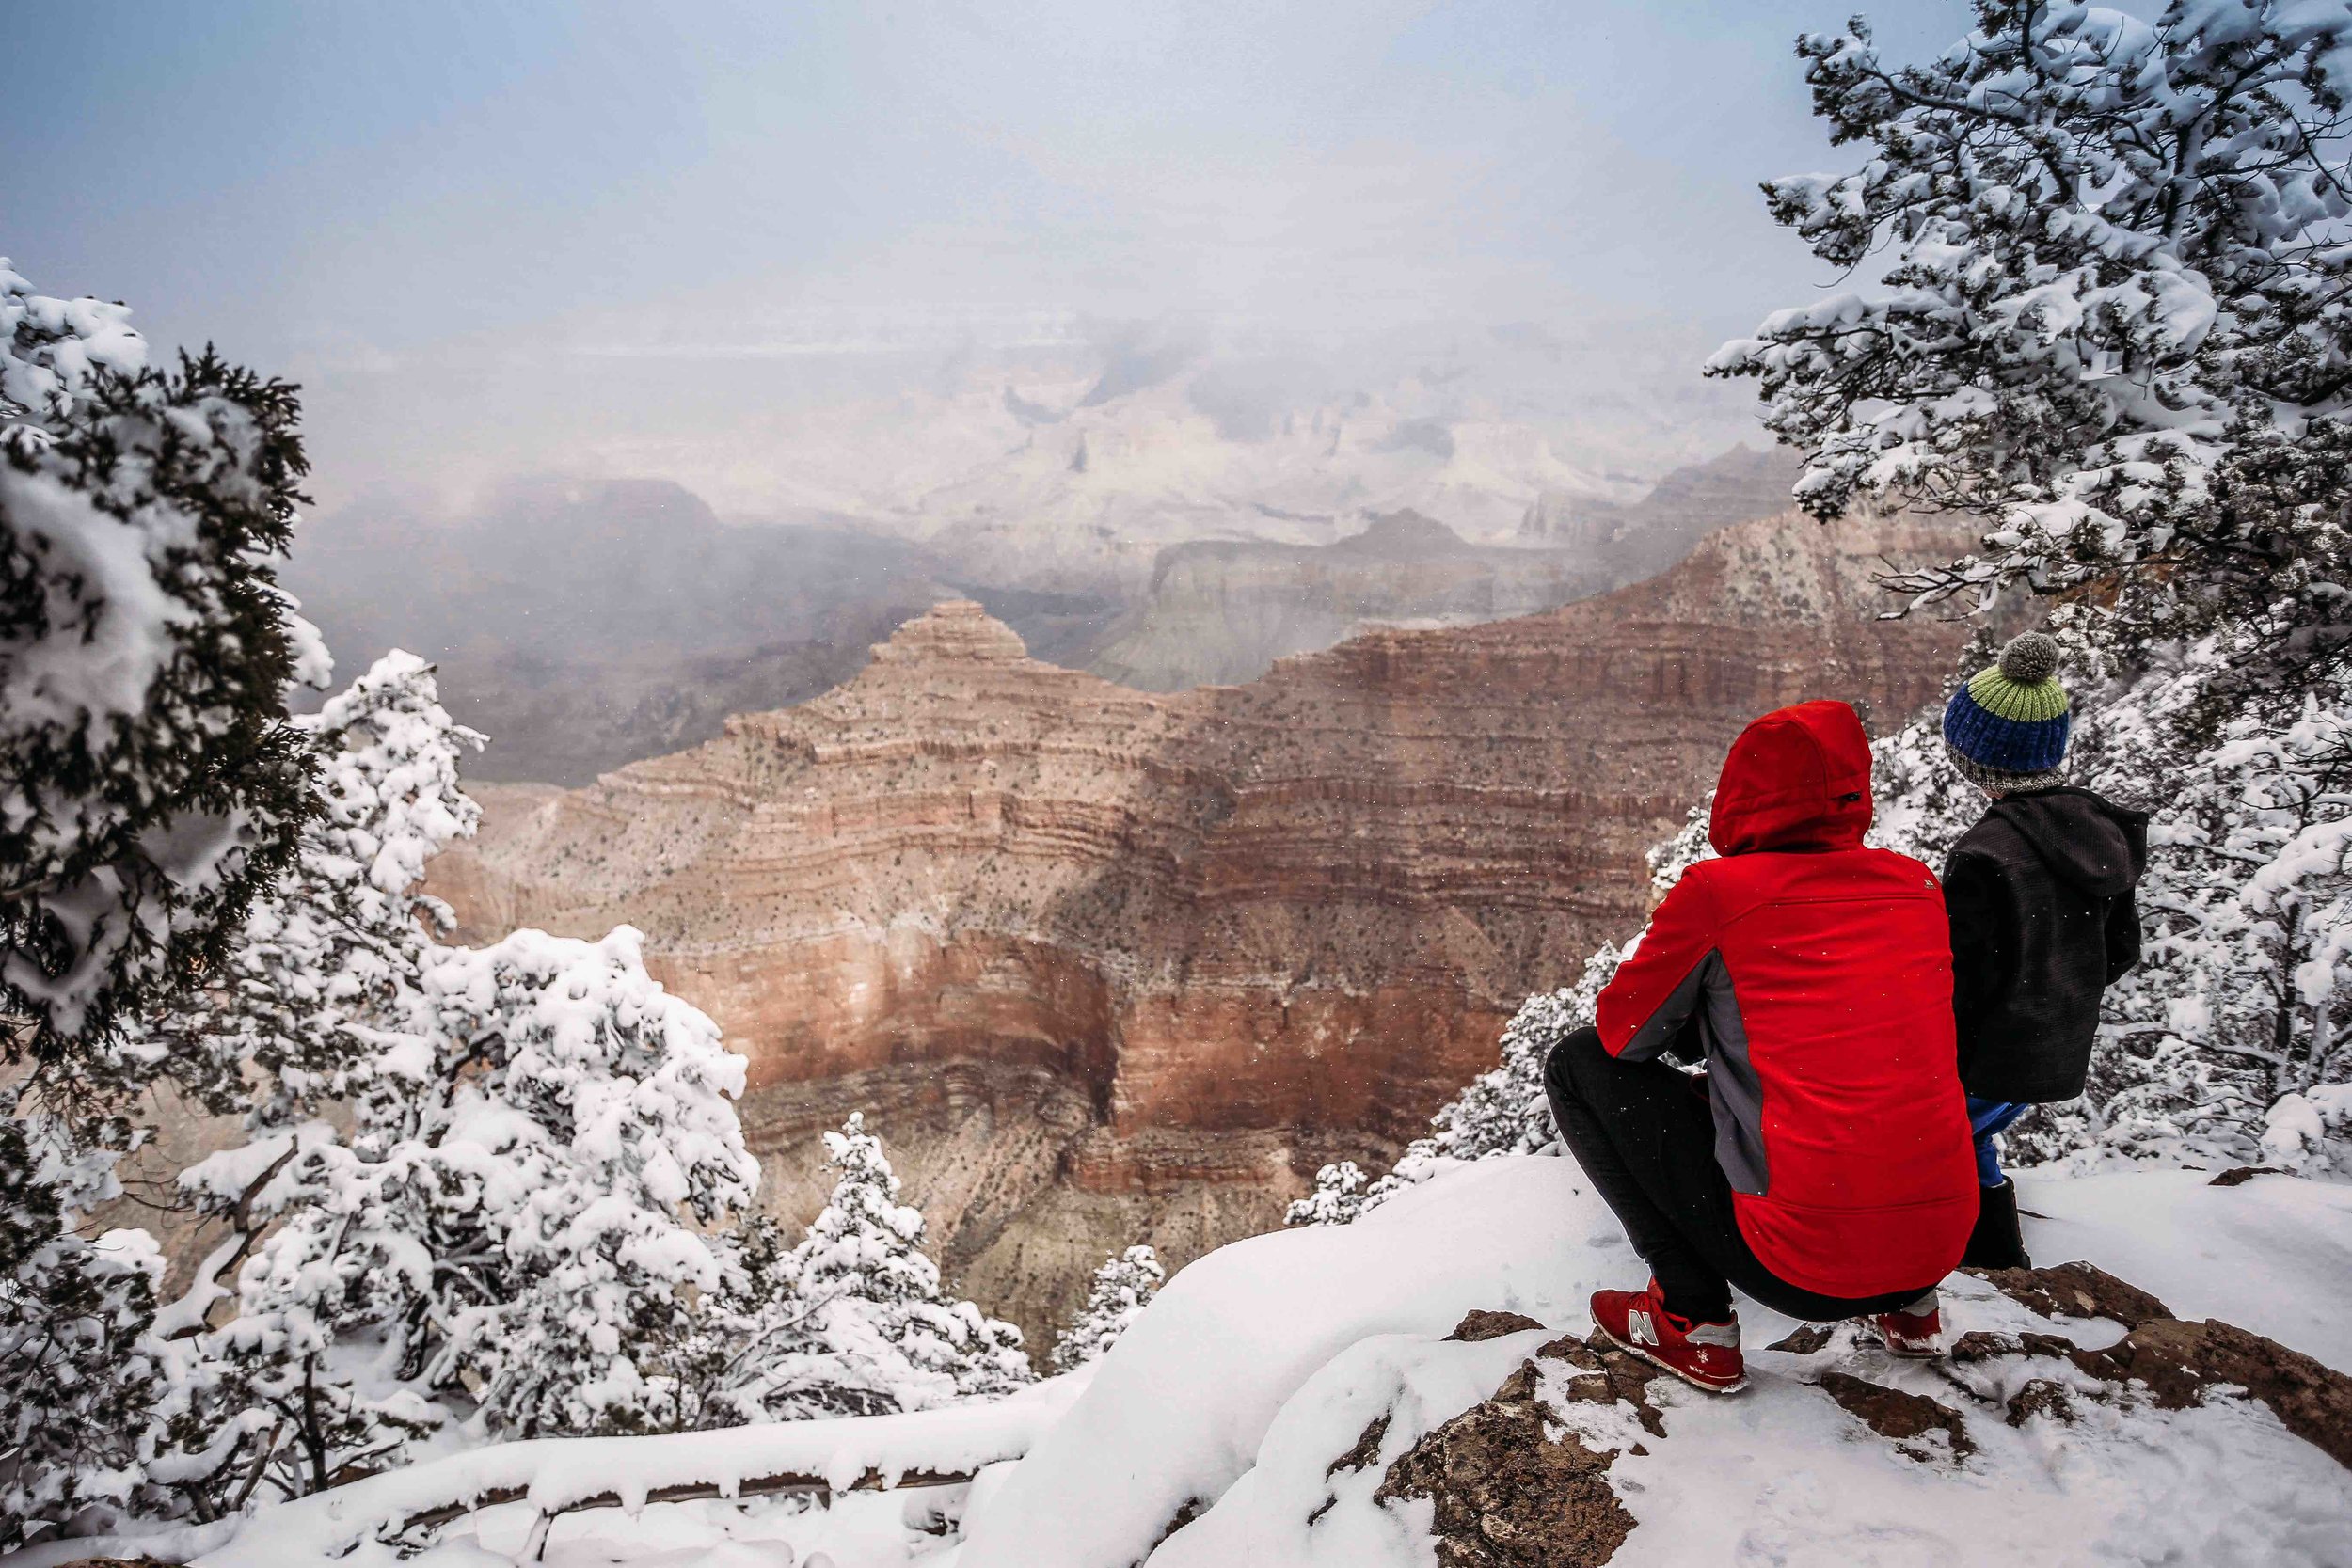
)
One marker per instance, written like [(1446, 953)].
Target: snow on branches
[(50, 351), (2245, 990), (524, 1193), (2113, 318), (151, 787), (573, 1117), (857, 1323), (1119, 1291), (328, 960), (152, 783), (78, 1376)]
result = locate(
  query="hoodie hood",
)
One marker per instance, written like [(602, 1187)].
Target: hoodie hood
[(2084, 838), (1798, 778)]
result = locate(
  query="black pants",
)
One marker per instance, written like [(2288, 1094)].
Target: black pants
[(1647, 1140)]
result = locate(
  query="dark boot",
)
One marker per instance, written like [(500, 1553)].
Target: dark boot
[(1996, 1243)]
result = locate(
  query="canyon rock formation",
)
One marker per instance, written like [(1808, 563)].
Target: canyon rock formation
[(1634, 541), (1104, 965), (585, 626), (1221, 611)]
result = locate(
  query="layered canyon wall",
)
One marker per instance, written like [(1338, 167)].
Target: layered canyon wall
[(1222, 611), (1106, 965)]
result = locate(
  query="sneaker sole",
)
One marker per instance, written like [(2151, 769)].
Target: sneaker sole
[(1913, 1353), (1700, 1384)]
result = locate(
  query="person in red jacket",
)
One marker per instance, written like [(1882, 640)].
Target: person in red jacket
[(1822, 1163)]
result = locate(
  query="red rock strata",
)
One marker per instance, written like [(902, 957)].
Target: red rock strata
[(1106, 965)]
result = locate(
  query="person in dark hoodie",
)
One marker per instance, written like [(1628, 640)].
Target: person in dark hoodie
[(1821, 1163), (2042, 915)]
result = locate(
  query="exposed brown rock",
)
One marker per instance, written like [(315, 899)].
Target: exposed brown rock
[(2041, 1396), (2077, 1290), (1894, 1414), (1362, 1456), (1980, 1344), (1606, 1375), (1481, 1324), (2179, 1363), (1106, 966), (1507, 1495), (1367, 1449), (2237, 1176), (1184, 1516), (1806, 1339)]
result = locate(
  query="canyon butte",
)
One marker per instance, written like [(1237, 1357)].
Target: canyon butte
[(1104, 965)]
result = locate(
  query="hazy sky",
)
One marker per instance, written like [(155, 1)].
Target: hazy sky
[(336, 191)]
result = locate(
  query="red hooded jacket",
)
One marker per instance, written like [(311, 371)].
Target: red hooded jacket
[(1820, 975)]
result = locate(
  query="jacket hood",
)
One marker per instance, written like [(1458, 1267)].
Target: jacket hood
[(1798, 778), (2082, 837)]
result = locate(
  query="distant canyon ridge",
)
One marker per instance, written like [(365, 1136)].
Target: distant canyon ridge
[(1107, 965), (584, 625)]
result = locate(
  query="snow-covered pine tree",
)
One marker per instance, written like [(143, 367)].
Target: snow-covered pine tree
[(1119, 1291), (2235, 1019), (2113, 323), (153, 781), (1339, 1197), (153, 786), (522, 1198), (78, 1371), (327, 974), (712, 1369), (866, 1328), (330, 958), (580, 1118), (2112, 317)]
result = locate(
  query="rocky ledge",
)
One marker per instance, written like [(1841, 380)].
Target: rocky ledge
[(1524, 1479)]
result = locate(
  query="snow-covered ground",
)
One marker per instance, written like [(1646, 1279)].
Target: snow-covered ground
[(1259, 1365)]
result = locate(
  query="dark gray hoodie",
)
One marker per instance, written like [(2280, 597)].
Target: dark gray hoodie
[(2044, 921)]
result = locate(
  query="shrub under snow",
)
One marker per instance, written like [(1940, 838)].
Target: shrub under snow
[(1120, 1290), (854, 1322)]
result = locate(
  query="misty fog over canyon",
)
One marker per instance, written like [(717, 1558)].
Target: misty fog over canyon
[(1144, 512)]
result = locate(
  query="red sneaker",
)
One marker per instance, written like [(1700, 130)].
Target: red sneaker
[(1916, 1331), (1705, 1355)]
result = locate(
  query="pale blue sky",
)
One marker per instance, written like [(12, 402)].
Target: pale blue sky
[(327, 186)]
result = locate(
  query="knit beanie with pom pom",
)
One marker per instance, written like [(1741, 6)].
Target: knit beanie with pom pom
[(2007, 729)]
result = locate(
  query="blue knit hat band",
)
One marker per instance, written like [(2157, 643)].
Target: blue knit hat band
[(2018, 747)]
